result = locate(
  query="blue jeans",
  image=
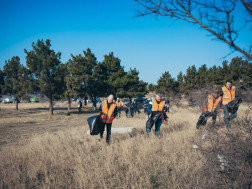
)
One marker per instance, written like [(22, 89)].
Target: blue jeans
[(158, 124), (228, 117)]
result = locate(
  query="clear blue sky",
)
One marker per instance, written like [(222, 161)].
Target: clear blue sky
[(151, 46)]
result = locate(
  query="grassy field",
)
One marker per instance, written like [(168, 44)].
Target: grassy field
[(42, 151)]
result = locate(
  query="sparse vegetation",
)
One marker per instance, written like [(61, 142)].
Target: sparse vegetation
[(64, 156)]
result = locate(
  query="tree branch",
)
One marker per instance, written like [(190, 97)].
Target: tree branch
[(213, 16)]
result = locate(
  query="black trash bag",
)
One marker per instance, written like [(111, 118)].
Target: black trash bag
[(94, 123), (149, 123), (156, 117), (203, 118), (151, 120), (234, 105)]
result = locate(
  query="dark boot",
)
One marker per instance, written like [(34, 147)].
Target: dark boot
[(108, 139)]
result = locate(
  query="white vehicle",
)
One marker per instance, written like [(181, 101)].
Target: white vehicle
[(8, 100)]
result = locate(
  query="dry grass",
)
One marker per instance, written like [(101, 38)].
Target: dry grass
[(57, 153)]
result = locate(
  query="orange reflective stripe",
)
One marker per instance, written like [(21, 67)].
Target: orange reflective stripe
[(107, 113), (156, 106), (228, 95)]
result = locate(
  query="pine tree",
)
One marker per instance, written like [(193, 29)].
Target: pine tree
[(180, 80), (45, 65), (201, 76), (1, 82), (114, 73), (151, 87), (17, 79), (166, 84)]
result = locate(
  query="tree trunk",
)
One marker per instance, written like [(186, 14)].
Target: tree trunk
[(85, 100), (51, 106), (16, 103), (69, 103)]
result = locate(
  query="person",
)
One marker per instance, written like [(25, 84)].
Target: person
[(119, 105), (108, 111), (167, 103), (156, 111), (191, 102), (228, 93), (145, 106), (79, 105), (135, 108), (211, 107)]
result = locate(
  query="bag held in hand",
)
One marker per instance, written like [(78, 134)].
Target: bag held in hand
[(234, 105), (94, 123), (204, 117), (152, 119)]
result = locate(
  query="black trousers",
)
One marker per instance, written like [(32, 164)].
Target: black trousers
[(109, 125)]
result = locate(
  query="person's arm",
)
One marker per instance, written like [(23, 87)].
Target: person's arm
[(205, 105), (100, 108), (166, 109), (149, 108), (115, 112), (221, 92), (219, 104)]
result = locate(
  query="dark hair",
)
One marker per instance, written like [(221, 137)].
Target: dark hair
[(229, 81)]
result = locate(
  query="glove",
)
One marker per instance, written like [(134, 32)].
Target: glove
[(164, 121), (205, 110), (112, 118)]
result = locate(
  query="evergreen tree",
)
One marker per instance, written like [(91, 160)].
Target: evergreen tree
[(85, 76), (77, 75), (69, 84), (224, 70), (17, 79), (166, 84), (134, 87), (94, 79), (190, 79), (2, 78), (45, 65), (151, 87), (180, 80), (201, 76), (114, 74)]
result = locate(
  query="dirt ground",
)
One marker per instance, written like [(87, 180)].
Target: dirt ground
[(32, 119)]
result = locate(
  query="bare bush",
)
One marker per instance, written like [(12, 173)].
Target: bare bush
[(227, 155)]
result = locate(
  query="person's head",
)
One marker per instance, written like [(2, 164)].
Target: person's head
[(158, 97), (118, 99), (228, 83), (216, 93), (110, 98)]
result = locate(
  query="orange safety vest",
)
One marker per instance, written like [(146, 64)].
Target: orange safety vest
[(107, 113), (119, 104), (211, 105), (158, 107), (228, 95)]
